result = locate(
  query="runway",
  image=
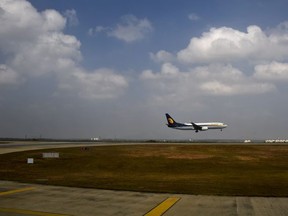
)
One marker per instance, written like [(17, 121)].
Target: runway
[(29, 145), (32, 199)]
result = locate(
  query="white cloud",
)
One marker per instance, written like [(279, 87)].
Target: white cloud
[(33, 44), (71, 16), (274, 71), (45, 55), (227, 44), (279, 34), (52, 21), (232, 65), (193, 17), (100, 84), (216, 79), (8, 76), (20, 23), (162, 56), (131, 29), (168, 70), (98, 29), (219, 88)]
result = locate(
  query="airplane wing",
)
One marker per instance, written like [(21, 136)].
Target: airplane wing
[(196, 127)]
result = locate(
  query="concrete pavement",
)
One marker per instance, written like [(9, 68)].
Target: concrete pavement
[(31, 199)]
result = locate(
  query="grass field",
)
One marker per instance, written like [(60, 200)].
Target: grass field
[(258, 170)]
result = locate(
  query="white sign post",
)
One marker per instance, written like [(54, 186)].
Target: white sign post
[(30, 160)]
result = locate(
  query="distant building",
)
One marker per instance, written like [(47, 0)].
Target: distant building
[(276, 141)]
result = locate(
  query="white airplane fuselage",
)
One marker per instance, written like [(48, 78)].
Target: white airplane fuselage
[(194, 126), (205, 126)]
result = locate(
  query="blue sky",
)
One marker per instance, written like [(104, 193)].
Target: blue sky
[(112, 69), (172, 28)]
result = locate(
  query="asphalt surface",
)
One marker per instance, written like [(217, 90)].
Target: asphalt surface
[(30, 199)]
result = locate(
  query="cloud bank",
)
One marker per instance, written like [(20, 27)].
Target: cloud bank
[(227, 44), (221, 62), (33, 45), (129, 29)]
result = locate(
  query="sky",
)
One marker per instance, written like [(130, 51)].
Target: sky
[(113, 68)]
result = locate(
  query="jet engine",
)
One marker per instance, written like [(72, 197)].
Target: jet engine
[(204, 128)]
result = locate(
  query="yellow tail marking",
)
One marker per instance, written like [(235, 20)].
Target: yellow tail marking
[(170, 120)]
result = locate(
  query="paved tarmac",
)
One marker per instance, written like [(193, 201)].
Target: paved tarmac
[(25, 146), (30, 199)]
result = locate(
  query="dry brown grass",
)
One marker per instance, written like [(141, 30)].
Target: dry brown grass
[(194, 169)]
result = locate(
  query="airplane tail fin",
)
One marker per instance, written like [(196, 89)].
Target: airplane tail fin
[(170, 120)]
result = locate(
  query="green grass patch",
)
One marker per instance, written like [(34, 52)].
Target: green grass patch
[(258, 170)]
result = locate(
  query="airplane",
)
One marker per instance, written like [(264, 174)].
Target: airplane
[(194, 126)]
